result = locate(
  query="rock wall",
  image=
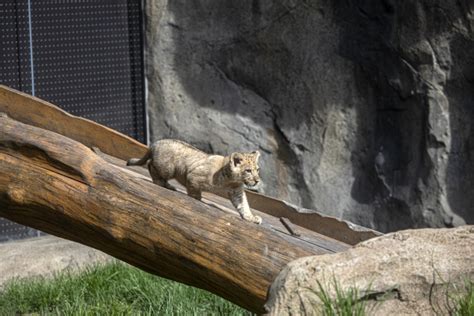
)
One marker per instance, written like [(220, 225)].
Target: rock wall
[(362, 110)]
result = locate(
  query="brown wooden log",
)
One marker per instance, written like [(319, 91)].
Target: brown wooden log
[(34, 111), (57, 185)]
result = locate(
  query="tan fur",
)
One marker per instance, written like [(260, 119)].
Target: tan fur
[(198, 171)]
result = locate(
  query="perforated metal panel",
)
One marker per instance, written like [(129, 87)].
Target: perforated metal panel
[(15, 62), (83, 55), (11, 231)]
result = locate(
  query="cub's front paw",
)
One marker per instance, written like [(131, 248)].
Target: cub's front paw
[(257, 219), (254, 219)]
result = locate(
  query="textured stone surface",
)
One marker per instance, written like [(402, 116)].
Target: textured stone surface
[(415, 271), (45, 256), (362, 110)]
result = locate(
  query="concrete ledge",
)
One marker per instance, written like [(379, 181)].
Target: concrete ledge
[(44, 256)]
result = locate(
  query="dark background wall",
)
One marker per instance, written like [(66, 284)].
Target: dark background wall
[(83, 56), (361, 109)]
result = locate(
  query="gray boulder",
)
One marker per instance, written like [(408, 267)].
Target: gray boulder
[(362, 110), (412, 272)]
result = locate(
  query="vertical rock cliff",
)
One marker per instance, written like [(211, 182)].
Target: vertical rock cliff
[(362, 110)]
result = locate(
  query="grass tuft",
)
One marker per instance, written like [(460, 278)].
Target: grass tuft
[(345, 303), (464, 305), (112, 289)]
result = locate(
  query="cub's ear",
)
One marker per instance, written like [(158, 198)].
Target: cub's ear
[(256, 154), (236, 159)]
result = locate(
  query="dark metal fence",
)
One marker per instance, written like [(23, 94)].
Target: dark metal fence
[(85, 56)]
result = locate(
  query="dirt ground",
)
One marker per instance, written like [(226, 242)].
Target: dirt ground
[(44, 256)]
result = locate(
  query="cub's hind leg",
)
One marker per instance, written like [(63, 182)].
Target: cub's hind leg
[(194, 192), (158, 179)]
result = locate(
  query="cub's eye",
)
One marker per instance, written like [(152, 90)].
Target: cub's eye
[(248, 170)]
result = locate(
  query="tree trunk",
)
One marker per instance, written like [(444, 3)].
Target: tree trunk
[(33, 111), (55, 184)]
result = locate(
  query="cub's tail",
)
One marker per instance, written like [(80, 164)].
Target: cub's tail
[(139, 161)]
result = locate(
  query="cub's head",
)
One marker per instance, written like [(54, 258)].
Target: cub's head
[(244, 167)]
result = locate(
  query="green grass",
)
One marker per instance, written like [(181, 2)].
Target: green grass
[(348, 302), (464, 304), (345, 303), (112, 289), (119, 289)]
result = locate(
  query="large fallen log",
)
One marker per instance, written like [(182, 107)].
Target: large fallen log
[(55, 184), (34, 111)]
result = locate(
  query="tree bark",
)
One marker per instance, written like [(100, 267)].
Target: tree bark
[(34, 111), (55, 184)]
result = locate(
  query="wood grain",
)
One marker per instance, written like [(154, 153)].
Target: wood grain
[(223, 204), (37, 112), (55, 184)]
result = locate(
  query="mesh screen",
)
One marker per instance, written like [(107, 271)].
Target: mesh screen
[(83, 55)]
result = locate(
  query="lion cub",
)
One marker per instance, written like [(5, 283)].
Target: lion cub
[(198, 171)]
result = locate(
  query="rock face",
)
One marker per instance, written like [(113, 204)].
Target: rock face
[(361, 110), (416, 271)]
